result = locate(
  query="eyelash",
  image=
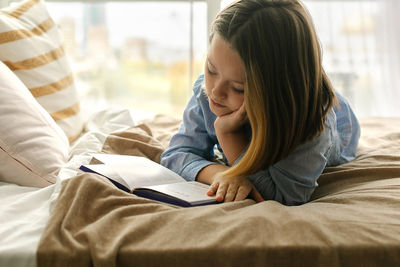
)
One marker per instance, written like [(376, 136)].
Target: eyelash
[(210, 72), (239, 91)]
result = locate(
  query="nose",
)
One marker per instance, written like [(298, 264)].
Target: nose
[(219, 90)]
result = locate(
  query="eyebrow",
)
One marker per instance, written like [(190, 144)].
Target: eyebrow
[(208, 60)]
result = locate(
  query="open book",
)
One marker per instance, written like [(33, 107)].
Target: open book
[(146, 178)]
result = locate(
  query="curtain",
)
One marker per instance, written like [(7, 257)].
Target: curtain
[(361, 46), (389, 38), (360, 40)]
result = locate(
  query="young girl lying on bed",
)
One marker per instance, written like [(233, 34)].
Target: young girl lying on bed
[(266, 103)]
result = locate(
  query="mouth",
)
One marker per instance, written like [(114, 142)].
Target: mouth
[(216, 104)]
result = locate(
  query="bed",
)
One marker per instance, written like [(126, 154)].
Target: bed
[(51, 214), (353, 218)]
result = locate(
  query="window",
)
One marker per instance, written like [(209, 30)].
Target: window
[(348, 31), (138, 54), (361, 51), (147, 54)]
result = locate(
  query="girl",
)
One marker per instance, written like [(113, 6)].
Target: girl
[(267, 105)]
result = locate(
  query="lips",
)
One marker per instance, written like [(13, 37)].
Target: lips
[(216, 104)]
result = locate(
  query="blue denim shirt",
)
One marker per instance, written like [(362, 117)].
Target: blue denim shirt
[(290, 181)]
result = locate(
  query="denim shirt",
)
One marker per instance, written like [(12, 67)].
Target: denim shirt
[(290, 181)]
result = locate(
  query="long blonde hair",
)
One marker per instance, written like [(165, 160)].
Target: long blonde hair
[(287, 92)]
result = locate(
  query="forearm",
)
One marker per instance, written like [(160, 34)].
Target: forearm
[(206, 175), (232, 144)]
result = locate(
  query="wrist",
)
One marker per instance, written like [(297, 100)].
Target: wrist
[(207, 174), (234, 131), (231, 136)]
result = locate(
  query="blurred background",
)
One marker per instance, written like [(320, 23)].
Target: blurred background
[(145, 55)]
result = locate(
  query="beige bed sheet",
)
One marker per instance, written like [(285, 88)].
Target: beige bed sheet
[(353, 218)]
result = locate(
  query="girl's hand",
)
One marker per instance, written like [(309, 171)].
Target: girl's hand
[(231, 122), (231, 135), (233, 189)]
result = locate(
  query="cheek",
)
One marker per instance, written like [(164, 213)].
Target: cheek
[(207, 83), (237, 101)]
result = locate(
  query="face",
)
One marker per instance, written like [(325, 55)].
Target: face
[(224, 77)]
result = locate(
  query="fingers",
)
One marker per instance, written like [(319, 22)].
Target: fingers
[(242, 193), (230, 194), (232, 121), (226, 192), (242, 114), (221, 192), (256, 195), (218, 190), (242, 108), (212, 189), (236, 193)]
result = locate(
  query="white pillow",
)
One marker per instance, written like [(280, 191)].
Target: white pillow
[(32, 47), (33, 147)]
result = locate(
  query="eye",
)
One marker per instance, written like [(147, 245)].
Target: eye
[(237, 90), (209, 71)]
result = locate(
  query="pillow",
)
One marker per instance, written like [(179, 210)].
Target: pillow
[(33, 148), (32, 47)]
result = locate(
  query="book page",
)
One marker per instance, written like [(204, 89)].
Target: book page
[(192, 192), (139, 171), (106, 171)]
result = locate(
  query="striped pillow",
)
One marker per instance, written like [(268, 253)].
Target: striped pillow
[(32, 47)]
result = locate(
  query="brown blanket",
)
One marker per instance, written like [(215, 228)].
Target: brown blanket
[(352, 220)]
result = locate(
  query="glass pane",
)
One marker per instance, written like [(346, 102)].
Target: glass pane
[(359, 52), (134, 54)]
